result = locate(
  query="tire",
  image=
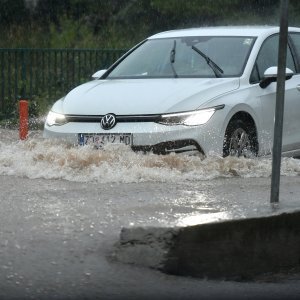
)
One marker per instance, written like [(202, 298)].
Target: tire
[(240, 139)]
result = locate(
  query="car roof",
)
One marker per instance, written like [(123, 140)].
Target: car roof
[(254, 31)]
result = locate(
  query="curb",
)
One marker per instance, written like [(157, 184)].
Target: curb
[(230, 250)]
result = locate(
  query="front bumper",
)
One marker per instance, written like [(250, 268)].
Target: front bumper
[(148, 136)]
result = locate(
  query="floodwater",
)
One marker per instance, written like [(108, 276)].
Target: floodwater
[(53, 159), (63, 207)]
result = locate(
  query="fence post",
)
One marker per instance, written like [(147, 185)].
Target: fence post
[(23, 111), (2, 101)]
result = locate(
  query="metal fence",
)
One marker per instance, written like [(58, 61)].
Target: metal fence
[(44, 75)]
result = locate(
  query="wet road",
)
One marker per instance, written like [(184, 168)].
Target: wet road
[(57, 236), (62, 209)]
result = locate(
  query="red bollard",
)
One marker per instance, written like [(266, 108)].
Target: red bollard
[(23, 109)]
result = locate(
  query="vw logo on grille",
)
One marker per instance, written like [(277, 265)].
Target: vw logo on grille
[(108, 121)]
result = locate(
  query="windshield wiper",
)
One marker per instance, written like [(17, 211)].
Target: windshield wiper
[(172, 58), (217, 70)]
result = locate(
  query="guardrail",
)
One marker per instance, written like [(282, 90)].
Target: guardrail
[(44, 75)]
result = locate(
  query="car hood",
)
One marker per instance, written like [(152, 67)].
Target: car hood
[(145, 96)]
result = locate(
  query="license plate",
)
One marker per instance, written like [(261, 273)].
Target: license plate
[(99, 140)]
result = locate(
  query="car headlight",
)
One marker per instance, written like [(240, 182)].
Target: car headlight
[(191, 118), (55, 119)]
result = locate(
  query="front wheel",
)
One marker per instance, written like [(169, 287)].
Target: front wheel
[(240, 140)]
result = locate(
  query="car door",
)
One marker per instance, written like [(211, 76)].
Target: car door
[(295, 108), (268, 57)]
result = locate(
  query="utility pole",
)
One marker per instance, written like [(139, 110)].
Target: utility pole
[(279, 110)]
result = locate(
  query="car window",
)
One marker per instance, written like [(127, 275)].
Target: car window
[(295, 37), (192, 57), (268, 57)]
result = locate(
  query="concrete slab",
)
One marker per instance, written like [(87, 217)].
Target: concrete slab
[(230, 250)]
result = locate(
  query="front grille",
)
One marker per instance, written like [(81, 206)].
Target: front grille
[(119, 118)]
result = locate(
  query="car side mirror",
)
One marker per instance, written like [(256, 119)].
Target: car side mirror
[(271, 75), (98, 74)]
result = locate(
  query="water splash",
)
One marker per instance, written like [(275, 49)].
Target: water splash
[(54, 159)]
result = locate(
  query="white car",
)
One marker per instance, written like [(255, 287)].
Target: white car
[(211, 90)]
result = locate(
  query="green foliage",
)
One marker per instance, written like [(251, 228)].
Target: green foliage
[(122, 23), (72, 35), (13, 12)]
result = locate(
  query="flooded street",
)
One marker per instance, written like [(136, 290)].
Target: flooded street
[(62, 209), (53, 159)]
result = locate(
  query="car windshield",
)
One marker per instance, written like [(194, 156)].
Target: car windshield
[(186, 57)]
